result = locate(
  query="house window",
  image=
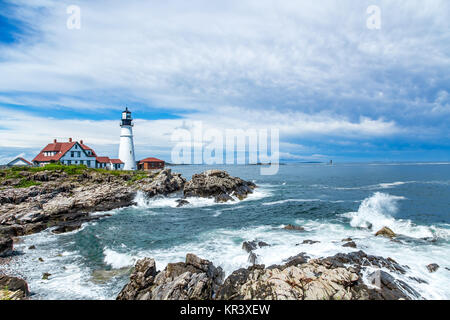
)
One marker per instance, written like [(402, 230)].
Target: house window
[(81, 162), (88, 163), (69, 162), (72, 154)]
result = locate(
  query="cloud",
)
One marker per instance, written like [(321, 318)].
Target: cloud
[(313, 70)]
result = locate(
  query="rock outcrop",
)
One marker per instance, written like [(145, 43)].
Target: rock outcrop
[(6, 246), (250, 246), (433, 267), (300, 278), (386, 232), (294, 228), (219, 185), (66, 201), (195, 279), (12, 288), (164, 183), (350, 244), (317, 279)]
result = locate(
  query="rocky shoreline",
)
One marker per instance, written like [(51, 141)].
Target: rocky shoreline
[(339, 277), (63, 201), (63, 198)]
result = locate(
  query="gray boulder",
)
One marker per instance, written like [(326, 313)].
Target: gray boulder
[(219, 185), (195, 279)]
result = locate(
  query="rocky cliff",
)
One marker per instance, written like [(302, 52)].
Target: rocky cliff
[(57, 198), (300, 278)]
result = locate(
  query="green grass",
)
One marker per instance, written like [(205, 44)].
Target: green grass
[(139, 176), (71, 170), (25, 183)]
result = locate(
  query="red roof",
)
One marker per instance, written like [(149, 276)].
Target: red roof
[(103, 160), (61, 148), (85, 147), (116, 161), (151, 160)]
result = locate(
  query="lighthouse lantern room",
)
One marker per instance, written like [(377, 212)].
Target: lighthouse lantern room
[(126, 149)]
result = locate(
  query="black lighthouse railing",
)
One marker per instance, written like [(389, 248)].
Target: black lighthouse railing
[(126, 118)]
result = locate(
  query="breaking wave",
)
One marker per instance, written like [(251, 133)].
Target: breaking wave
[(379, 211), (117, 260), (194, 202)]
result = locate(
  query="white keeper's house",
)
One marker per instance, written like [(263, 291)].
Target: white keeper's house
[(74, 152)]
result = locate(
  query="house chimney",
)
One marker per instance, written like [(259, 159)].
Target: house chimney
[(54, 141), (81, 141), (70, 139)]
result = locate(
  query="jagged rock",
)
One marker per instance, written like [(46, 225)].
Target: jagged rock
[(295, 228), (311, 242), (46, 275), (347, 240), (67, 227), (360, 259), (66, 201), (385, 232), (164, 183), (317, 279), (433, 267), (252, 258), (11, 295), (219, 185), (196, 279), (350, 244), (141, 279), (32, 247), (418, 280), (390, 288), (297, 260), (6, 246), (301, 282), (182, 203), (14, 284), (249, 246)]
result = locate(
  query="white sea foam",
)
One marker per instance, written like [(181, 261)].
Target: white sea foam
[(194, 202), (69, 279), (379, 211), (117, 260), (289, 200)]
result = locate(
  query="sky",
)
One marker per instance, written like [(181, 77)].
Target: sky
[(314, 70)]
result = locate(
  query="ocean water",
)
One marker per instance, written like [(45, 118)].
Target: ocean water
[(330, 202)]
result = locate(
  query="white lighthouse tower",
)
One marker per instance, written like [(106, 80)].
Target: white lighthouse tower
[(126, 150)]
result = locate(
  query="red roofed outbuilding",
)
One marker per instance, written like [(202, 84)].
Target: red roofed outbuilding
[(151, 164)]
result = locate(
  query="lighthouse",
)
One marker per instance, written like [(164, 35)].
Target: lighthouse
[(126, 150)]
